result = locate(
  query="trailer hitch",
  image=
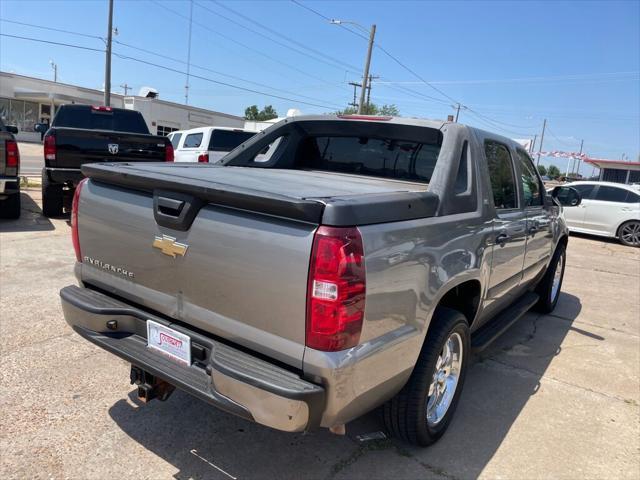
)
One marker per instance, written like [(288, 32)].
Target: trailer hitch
[(150, 386)]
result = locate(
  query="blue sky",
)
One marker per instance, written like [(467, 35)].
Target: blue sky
[(513, 63)]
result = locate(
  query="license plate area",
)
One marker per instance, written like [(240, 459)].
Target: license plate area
[(169, 342)]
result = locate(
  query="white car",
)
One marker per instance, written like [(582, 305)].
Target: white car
[(206, 144), (607, 209)]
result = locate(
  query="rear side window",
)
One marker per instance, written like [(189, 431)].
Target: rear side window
[(531, 186), (611, 194), (227, 140), (503, 182), (193, 140), (462, 177), (175, 140), (89, 118), (378, 157), (632, 197)]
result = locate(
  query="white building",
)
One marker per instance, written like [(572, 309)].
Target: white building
[(25, 101)]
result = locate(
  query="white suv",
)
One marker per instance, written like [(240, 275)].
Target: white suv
[(607, 209), (207, 144)]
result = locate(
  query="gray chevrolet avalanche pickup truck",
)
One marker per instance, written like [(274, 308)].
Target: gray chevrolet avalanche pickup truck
[(333, 265)]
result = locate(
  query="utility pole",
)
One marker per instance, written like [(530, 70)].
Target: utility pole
[(579, 158), (186, 87), (355, 85), (107, 64), (371, 79), (367, 63), (544, 127), (457, 112), (55, 70), (126, 88)]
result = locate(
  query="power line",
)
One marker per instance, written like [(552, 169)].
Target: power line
[(332, 62), (53, 43), (24, 24), (174, 70), (226, 37), (166, 57)]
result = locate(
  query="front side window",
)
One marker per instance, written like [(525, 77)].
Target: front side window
[(529, 180), (502, 176), (193, 140), (611, 194), (584, 190)]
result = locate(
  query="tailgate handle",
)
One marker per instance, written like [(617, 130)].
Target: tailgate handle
[(170, 206), (175, 210)]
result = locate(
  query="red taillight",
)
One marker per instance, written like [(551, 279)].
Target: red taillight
[(13, 154), (100, 108), (49, 147), (203, 158), (336, 289), (168, 153), (74, 219)]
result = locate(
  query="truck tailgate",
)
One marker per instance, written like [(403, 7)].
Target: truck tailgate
[(77, 146), (242, 276)]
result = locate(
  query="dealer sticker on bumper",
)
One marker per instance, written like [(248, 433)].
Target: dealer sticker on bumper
[(169, 342)]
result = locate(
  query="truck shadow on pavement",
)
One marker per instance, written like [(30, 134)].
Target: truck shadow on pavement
[(203, 442), (31, 218)]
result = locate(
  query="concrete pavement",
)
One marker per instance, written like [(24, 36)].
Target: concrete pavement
[(558, 396)]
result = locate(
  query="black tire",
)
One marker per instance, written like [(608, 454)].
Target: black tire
[(629, 233), (10, 206), (405, 415), (52, 197), (549, 297)]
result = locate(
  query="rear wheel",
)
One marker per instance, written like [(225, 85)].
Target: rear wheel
[(10, 206), (551, 284), (421, 412), (629, 233), (52, 197)]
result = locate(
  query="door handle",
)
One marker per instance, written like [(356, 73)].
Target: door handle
[(502, 239)]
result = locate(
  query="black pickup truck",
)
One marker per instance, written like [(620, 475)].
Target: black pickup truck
[(83, 134)]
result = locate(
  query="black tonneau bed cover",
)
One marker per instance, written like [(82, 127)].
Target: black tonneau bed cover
[(321, 198)]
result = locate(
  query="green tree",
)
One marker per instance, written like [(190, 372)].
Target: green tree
[(391, 110), (553, 172), (542, 170), (267, 113), (372, 109)]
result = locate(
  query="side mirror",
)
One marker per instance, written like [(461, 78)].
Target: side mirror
[(12, 129), (566, 196), (41, 127)]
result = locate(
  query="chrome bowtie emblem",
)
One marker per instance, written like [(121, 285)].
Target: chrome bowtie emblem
[(113, 148), (169, 246)]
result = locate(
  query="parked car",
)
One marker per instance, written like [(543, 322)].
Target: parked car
[(9, 171), (83, 134), (356, 265), (607, 209), (207, 144)]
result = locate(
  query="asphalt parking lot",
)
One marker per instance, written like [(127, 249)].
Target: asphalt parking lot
[(558, 396)]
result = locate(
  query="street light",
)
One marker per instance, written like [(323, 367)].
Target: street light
[(367, 63), (55, 70)]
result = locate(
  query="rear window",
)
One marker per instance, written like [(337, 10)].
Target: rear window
[(88, 118), (378, 157), (175, 140), (227, 140)]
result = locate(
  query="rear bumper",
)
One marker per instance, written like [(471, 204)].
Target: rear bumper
[(63, 175), (8, 185), (223, 376)]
